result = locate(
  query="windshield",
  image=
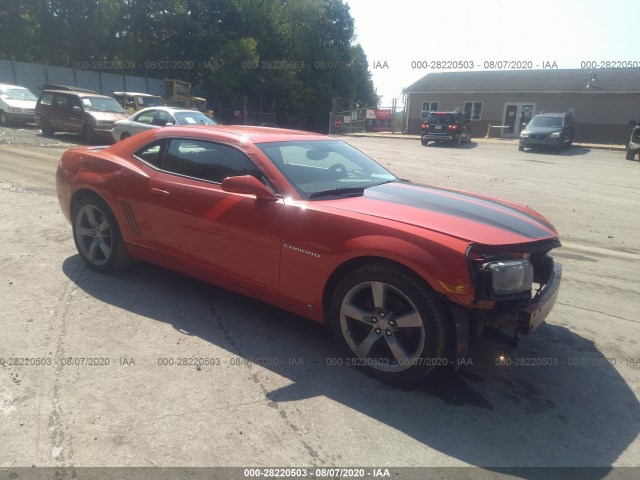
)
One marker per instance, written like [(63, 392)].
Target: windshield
[(193, 118), (18, 94), (150, 101), (101, 104), (548, 122), (330, 166)]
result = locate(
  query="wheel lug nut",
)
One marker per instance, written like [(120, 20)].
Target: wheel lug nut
[(382, 314), (388, 332), (378, 330), (391, 322), (374, 319)]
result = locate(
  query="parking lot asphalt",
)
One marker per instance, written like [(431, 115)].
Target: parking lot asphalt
[(482, 140), (273, 393)]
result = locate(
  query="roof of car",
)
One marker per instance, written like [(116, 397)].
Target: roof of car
[(252, 133), (169, 108), (136, 93), (79, 93)]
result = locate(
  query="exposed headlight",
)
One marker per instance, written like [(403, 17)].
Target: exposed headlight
[(524, 134), (555, 134), (15, 109), (511, 276)]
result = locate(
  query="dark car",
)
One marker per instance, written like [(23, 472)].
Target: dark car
[(89, 114), (407, 276), (445, 127), (548, 130), (633, 142)]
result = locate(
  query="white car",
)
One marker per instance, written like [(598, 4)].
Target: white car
[(157, 117), (17, 104)]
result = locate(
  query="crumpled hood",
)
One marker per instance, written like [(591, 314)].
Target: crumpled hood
[(460, 214)]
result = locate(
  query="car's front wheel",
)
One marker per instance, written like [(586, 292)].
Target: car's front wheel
[(89, 135), (424, 142), (97, 236), (47, 129), (4, 120), (389, 323), (630, 155)]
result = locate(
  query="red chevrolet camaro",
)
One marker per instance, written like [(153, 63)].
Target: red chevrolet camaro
[(404, 274)]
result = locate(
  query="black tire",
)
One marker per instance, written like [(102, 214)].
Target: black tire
[(47, 129), (468, 136), (97, 235), (4, 120), (89, 135), (630, 154), (397, 354), (521, 148), (424, 142), (125, 135), (458, 140)]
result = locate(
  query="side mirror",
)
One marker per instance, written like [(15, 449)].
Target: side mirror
[(168, 124), (633, 122), (247, 185), (76, 108)]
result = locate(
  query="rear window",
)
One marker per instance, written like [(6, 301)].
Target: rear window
[(46, 99), (440, 118)]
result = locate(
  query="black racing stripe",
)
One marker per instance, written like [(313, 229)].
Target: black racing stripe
[(462, 206)]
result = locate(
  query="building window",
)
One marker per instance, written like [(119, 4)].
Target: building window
[(473, 110), (428, 107)]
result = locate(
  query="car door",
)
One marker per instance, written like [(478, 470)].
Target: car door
[(141, 122), (233, 237)]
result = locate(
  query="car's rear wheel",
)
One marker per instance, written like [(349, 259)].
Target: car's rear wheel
[(89, 135), (630, 155), (459, 140), (424, 142), (45, 126), (389, 323), (4, 120), (97, 236), (521, 148)]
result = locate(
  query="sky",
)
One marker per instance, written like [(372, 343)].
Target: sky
[(402, 37)]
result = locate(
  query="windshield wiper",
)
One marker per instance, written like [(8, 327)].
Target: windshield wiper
[(338, 192)]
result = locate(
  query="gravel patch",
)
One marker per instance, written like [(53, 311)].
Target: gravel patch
[(30, 134)]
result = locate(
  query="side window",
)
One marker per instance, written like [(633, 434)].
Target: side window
[(74, 102), (152, 153), (145, 117), (207, 161), (60, 101), (46, 99), (162, 118)]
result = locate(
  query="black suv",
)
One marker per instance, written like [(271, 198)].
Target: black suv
[(633, 143), (445, 127), (548, 129)]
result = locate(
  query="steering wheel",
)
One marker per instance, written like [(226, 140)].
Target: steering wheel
[(338, 168)]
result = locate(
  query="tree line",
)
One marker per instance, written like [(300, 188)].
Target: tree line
[(296, 56)]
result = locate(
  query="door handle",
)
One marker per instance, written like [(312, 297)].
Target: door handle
[(159, 192)]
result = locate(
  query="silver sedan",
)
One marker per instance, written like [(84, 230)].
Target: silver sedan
[(157, 117)]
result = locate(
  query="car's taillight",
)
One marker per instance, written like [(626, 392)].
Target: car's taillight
[(453, 127), (424, 126)]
